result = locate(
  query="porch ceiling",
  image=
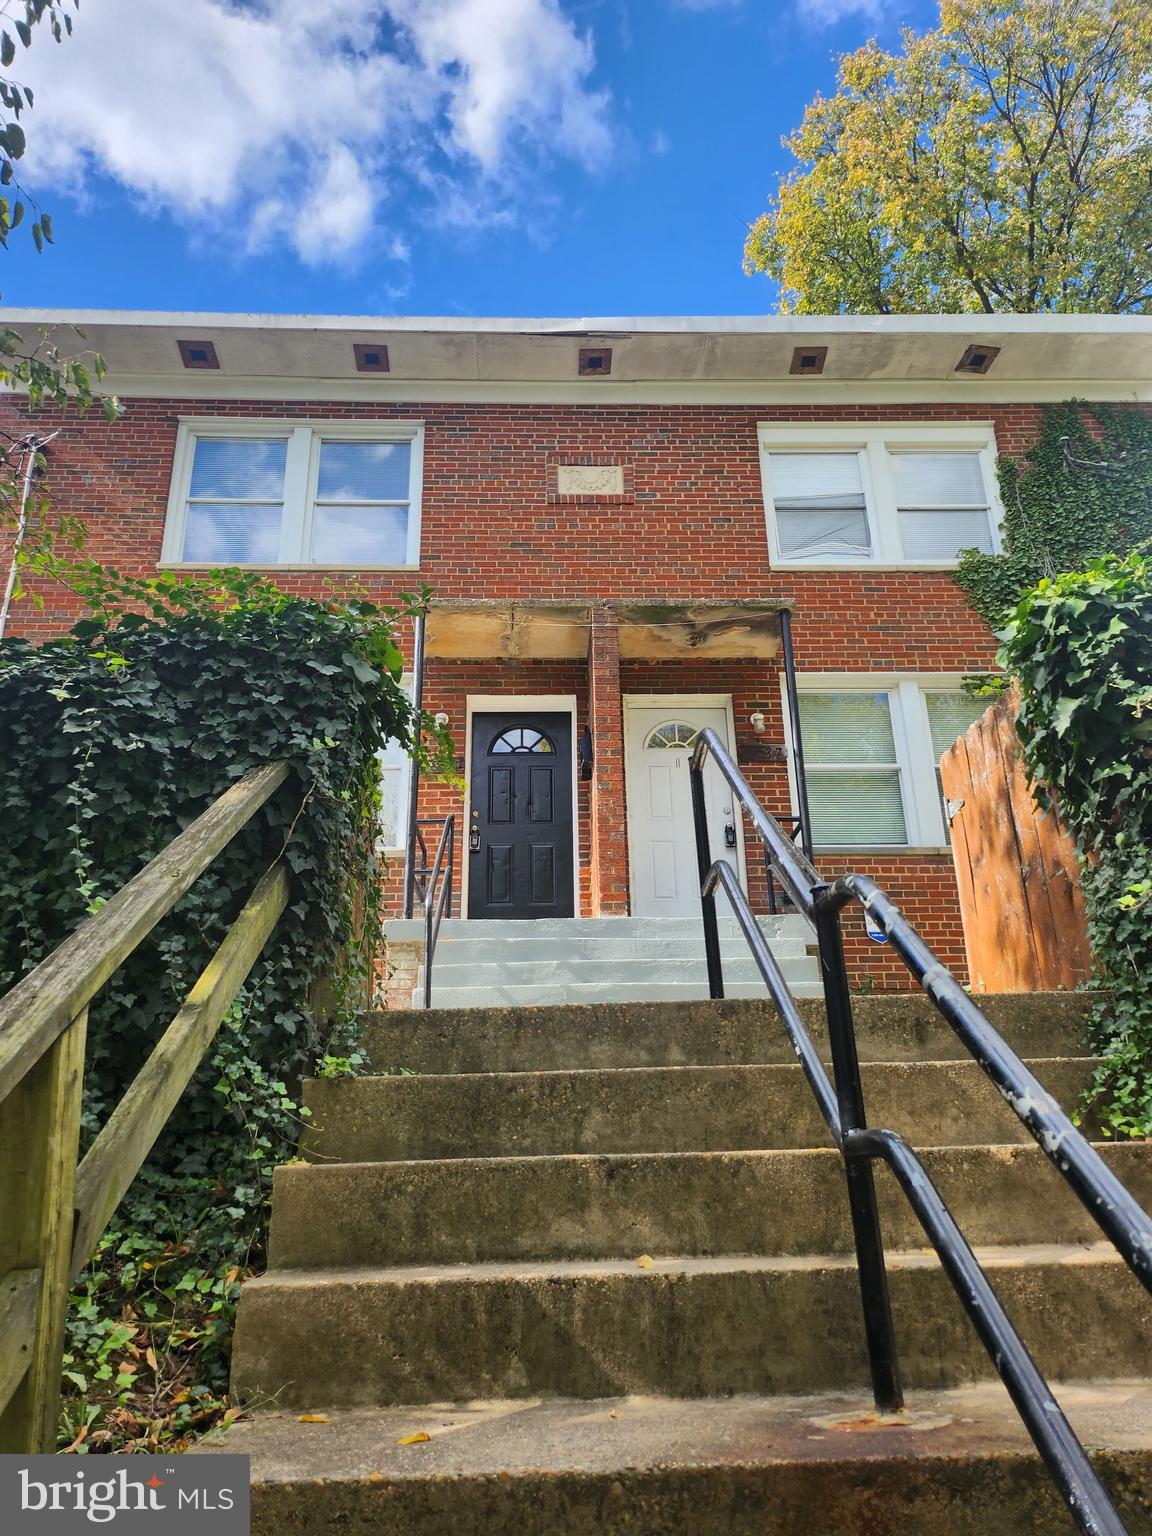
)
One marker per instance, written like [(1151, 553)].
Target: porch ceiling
[(496, 629), (499, 629), (710, 630)]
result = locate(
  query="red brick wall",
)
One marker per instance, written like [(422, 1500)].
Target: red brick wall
[(693, 528), (690, 526)]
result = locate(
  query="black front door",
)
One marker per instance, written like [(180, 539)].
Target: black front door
[(520, 819)]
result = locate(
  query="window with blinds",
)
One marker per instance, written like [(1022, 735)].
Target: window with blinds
[(941, 505), (235, 501), (821, 513), (360, 512), (854, 790), (286, 494), (872, 758), (912, 495)]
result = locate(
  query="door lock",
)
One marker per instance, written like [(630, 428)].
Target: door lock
[(473, 838), (730, 835)]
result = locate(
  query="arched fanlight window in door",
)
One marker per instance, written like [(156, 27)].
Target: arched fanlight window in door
[(522, 739), (674, 735)]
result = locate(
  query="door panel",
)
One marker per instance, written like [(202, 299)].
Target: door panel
[(660, 828), (521, 816)]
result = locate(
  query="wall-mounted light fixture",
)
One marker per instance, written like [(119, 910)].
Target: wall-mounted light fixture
[(584, 754), (440, 717), (756, 720)]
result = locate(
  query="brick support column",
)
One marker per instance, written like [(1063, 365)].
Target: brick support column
[(609, 830)]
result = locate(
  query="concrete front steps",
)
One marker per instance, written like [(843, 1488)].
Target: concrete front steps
[(601, 1257), (492, 963), (958, 1463)]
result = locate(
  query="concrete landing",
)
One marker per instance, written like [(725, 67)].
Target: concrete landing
[(958, 1463), (496, 963)]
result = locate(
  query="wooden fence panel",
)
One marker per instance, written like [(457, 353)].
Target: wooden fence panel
[(1016, 867)]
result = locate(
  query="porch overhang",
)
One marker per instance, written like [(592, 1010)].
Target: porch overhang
[(496, 629), (544, 630), (708, 630)]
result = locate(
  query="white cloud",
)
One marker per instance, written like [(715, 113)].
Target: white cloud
[(825, 13), (294, 120)]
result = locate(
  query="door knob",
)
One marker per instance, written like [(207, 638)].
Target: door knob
[(473, 839), (730, 836)]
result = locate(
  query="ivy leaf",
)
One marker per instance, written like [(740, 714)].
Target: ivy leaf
[(1062, 713)]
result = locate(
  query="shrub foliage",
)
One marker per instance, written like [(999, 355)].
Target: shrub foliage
[(1081, 646), (113, 739)]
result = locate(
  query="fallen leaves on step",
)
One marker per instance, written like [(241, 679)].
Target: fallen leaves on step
[(417, 1439), (645, 1261), (313, 1418)]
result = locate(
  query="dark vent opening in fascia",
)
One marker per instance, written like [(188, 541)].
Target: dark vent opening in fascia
[(198, 354), (595, 362), (977, 359), (808, 360), (370, 358)]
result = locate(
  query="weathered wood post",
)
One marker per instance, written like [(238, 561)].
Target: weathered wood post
[(39, 1144)]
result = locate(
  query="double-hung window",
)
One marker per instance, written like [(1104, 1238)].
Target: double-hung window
[(898, 495), (872, 747), (854, 770), (280, 493), (820, 507)]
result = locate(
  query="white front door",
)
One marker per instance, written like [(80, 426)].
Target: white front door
[(661, 835)]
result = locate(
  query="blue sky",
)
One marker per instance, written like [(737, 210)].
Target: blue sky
[(421, 156)]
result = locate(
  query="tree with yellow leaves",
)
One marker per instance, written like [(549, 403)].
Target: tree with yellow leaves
[(1002, 162)]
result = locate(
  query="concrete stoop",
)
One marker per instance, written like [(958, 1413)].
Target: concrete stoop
[(957, 1463), (600, 1257), (492, 963)]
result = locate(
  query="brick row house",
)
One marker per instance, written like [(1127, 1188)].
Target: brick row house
[(622, 523)]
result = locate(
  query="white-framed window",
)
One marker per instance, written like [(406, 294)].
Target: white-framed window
[(872, 746), (395, 777), (267, 493), (878, 495)]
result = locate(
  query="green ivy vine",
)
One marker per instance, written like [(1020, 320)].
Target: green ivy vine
[(112, 739), (1081, 647), (1059, 515)]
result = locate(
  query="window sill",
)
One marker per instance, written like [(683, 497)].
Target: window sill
[(864, 566), (208, 565), (882, 849)]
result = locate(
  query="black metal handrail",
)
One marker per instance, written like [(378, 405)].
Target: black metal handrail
[(794, 827), (841, 1102), (433, 884)]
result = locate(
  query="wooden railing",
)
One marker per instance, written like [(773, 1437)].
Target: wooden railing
[(52, 1213)]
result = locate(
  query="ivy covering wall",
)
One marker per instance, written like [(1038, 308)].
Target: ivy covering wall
[(113, 739), (1060, 515), (1081, 647)]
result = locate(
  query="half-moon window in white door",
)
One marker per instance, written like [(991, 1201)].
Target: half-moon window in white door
[(675, 735)]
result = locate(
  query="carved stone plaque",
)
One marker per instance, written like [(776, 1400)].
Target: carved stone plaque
[(589, 479)]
